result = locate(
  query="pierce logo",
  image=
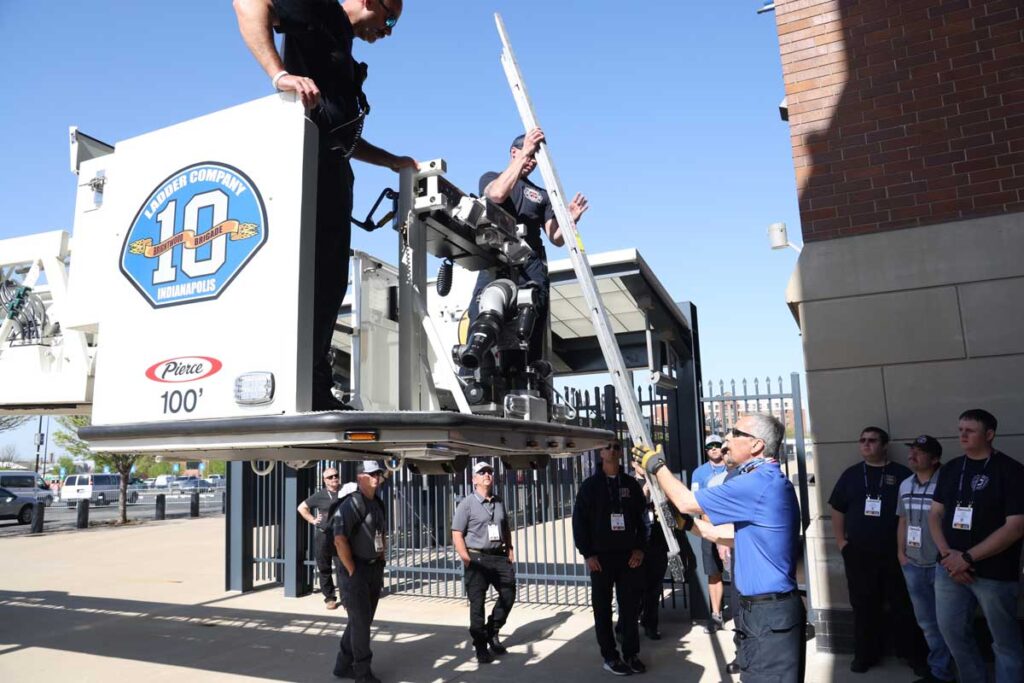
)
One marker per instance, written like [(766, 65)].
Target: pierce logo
[(194, 234), (184, 369)]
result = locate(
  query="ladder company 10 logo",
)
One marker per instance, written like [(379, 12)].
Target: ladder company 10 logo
[(194, 234)]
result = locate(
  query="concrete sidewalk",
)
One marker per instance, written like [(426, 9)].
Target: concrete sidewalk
[(146, 603)]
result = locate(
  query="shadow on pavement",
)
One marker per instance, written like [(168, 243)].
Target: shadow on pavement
[(292, 646)]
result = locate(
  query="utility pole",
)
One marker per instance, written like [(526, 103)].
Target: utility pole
[(39, 442)]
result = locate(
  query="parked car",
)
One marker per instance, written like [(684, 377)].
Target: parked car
[(15, 506), (100, 489), (163, 481), (25, 483), (150, 483), (217, 480), (194, 484)]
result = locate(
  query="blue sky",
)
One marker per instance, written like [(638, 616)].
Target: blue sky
[(664, 113)]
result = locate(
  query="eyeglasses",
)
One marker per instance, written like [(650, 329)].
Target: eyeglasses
[(330, 476), (869, 439), (392, 18), (735, 432)]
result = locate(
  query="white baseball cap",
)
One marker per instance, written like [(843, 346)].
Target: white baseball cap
[(713, 439), (482, 465)]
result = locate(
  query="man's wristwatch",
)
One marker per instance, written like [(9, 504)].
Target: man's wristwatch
[(967, 558)]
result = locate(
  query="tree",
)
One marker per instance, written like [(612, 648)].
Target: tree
[(119, 462), (11, 421), (66, 463), (8, 453)]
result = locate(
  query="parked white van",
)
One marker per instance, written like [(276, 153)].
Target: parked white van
[(163, 481), (26, 483), (100, 489)]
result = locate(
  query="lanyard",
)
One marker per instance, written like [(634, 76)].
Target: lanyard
[(752, 465), (913, 492), (483, 504), (881, 480), (613, 490), (960, 486)]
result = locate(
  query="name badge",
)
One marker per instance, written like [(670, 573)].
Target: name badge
[(962, 518), (378, 542), (873, 507), (493, 532), (618, 522), (913, 537)]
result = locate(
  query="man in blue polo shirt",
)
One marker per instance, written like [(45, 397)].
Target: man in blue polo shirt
[(761, 504), (710, 558)]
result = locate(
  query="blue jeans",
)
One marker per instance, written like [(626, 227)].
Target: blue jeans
[(921, 586), (955, 606)]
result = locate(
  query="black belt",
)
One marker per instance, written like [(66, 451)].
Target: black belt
[(489, 551), (766, 597)]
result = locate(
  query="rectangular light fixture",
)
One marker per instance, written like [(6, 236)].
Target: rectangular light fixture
[(361, 435), (254, 388)]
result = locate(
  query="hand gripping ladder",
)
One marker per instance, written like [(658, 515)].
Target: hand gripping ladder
[(580, 263)]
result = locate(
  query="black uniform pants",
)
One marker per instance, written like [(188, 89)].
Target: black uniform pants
[(333, 237), (653, 572), (325, 555), (361, 593), (873, 580), (770, 640), (483, 572), (616, 575)]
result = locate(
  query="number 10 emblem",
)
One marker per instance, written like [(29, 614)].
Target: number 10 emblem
[(194, 233)]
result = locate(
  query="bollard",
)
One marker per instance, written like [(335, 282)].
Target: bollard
[(193, 508), (161, 506), (38, 514), (82, 520)]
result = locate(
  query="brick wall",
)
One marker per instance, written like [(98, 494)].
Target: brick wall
[(903, 112)]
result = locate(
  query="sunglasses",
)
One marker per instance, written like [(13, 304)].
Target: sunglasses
[(488, 472), (330, 476), (392, 18), (735, 432)]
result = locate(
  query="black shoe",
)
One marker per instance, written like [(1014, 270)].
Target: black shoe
[(732, 667), (495, 645), (343, 669), (859, 666), (327, 403), (635, 665), (617, 667), (715, 623), (652, 633), (368, 678), (483, 656)]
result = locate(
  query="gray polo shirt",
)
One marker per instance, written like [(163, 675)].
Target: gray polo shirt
[(359, 519), (472, 517), (914, 503)]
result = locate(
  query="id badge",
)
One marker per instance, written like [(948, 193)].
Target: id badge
[(378, 542), (913, 537), (873, 507), (962, 518), (618, 522), (493, 532)]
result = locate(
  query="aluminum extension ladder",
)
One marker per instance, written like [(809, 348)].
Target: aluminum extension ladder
[(585, 275)]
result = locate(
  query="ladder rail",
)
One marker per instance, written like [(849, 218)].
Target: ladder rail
[(585, 275)]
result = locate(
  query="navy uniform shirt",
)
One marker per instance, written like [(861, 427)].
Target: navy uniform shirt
[(761, 503), (529, 205), (359, 520), (995, 490), (599, 497), (318, 45), (875, 534), (473, 515)]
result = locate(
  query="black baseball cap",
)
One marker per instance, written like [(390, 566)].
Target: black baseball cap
[(928, 444)]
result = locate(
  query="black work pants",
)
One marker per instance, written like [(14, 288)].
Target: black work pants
[(770, 640), (333, 238), (616, 575), (653, 573), (875, 580), (325, 556), (483, 572), (361, 593)]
